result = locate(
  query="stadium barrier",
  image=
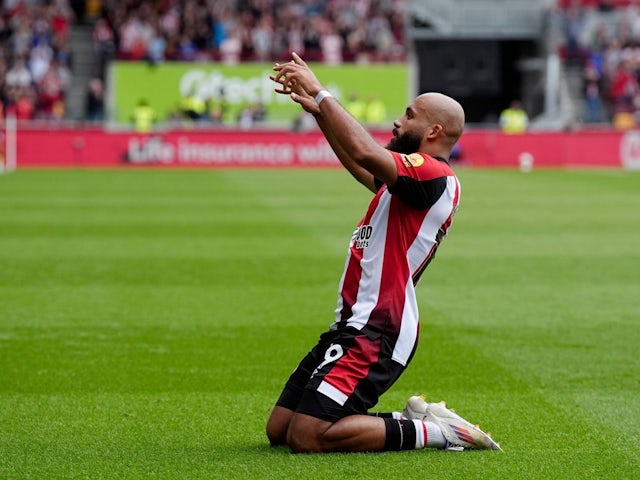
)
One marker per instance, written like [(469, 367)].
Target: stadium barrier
[(94, 147)]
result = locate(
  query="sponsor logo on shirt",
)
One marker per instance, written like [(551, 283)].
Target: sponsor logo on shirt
[(361, 236)]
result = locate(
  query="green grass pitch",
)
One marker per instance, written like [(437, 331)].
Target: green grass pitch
[(149, 318)]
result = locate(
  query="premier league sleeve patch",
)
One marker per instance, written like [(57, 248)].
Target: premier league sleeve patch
[(413, 160)]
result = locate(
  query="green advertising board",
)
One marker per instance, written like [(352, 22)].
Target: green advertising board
[(164, 86)]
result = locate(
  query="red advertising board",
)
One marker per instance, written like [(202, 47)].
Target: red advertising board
[(594, 148), (275, 148)]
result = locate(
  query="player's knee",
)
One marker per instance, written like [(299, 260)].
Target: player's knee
[(277, 436), (277, 426), (301, 442), (306, 434), (303, 437)]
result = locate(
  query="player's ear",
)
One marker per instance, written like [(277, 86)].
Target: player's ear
[(434, 129)]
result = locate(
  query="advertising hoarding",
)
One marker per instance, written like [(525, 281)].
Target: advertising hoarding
[(164, 86), (225, 148)]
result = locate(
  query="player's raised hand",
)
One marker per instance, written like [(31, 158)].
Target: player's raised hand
[(306, 101), (296, 76)]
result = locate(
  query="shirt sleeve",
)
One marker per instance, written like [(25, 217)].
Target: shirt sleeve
[(421, 180)]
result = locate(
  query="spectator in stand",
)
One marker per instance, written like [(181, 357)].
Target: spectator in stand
[(21, 103), (514, 119), (231, 49), (380, 38), (304, 122), (397, 32), (223, 24), (263, 38), (624, 93), (573, 22), (330, 44), (40, 60), (311, 38), (217, 110), (202, 38), (611, 58), (63, 70), (294, 37), (94, 104), (246, 118), (51, 93), (593, 109), (356, 41), (193, 107), (104, 44), (136, 34), (41, 25), (19, 75), (157, 49), (61, 16), (21, 39), (187, 50), (375, 111), (355, 106), (169, 21), (601, 38), (143, 117)]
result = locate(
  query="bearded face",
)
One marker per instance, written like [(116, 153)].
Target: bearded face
[(408, 142)]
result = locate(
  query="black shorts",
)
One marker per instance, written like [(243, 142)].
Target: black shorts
[(344, 374)]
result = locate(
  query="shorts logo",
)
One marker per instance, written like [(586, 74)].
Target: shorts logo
[(333, 353), (413, 160), (361, 236)]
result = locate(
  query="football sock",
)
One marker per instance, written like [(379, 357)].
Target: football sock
[(412, 434), (435, 438), (400, 434)]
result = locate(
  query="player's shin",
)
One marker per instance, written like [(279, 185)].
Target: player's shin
[(412, 435)]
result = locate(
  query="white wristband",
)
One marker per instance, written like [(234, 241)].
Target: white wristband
[(322, 94)]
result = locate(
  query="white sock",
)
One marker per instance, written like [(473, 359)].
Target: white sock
[(428, 435)]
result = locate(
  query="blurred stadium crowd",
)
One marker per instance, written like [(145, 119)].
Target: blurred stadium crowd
[(35, 59), (602, 41), (255, 30), (600, 38), (36, 64)]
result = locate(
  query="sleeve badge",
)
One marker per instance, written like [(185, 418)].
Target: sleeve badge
[(413, 160)]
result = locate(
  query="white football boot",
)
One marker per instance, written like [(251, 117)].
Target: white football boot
[(457, 431)]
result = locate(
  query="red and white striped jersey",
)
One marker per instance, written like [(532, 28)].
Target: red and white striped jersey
[(393, 244)]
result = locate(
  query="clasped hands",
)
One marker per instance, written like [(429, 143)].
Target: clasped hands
[(298, 81)]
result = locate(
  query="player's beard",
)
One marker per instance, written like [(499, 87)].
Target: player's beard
[(406, 143)]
